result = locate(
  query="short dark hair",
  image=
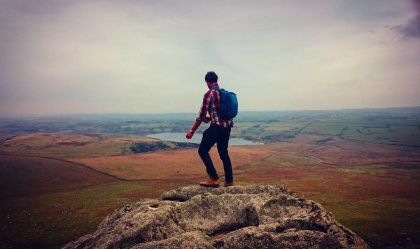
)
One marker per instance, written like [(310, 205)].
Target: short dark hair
[(211, 77)]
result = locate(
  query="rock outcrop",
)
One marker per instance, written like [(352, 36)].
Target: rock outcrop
[(235, 217)]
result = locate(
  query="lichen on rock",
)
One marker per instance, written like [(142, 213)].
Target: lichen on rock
[(257, 216)]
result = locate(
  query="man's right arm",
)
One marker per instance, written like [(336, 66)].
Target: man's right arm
[(195, 126), (201, 115)]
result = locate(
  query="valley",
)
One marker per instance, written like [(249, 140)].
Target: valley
[(60, 177)]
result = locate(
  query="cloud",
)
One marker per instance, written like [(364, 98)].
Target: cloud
[(411, 29), (120, 56)]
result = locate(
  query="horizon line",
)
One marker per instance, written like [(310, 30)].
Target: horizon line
[(184, 113)]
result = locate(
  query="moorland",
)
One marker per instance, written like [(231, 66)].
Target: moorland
[(60, 176)]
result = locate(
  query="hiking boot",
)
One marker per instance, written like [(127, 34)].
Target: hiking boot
[(210, 183), (228, 184)]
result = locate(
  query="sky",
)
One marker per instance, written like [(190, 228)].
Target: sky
[(151, 56)]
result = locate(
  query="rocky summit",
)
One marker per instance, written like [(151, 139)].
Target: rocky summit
[(256, 216)]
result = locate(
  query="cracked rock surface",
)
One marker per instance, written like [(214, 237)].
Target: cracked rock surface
[(258, 216)]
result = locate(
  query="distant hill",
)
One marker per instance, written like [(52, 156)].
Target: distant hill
[(34, 176), (415, 110)]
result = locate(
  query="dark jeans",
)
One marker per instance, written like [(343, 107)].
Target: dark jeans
[(220, 135)]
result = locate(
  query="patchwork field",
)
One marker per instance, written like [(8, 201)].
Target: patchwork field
[(57, 186)]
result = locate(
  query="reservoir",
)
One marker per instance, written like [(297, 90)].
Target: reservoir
[(196, 139)]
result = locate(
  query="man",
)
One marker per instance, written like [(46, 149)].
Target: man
[(218, 132)]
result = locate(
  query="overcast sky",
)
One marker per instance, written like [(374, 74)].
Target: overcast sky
[(126, 56)]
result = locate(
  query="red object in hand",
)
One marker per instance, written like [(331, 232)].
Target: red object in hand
[(189, 134)]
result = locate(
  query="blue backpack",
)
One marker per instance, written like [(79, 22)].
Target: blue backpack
[(228, 104)]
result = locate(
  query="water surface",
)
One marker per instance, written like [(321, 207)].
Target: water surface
[(196, 139)]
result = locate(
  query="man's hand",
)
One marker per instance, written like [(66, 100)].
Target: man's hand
[(189, 134), (195, 126)]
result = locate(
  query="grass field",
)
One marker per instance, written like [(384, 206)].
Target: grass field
[(56, 187)]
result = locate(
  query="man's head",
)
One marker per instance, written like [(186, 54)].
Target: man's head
[(211, 77)]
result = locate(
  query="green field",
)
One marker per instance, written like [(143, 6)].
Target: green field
[(60, 177)]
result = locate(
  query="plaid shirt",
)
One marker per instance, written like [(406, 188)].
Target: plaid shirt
[(211, 105)]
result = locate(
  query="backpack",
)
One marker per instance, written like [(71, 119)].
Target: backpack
[(228, 104)]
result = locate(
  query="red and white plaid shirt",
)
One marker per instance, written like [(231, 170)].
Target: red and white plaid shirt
[(211, 105)]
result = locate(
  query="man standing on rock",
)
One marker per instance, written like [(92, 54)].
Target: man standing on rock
[(218, 132)]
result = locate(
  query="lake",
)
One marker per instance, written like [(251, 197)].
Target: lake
[(196, 139)]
